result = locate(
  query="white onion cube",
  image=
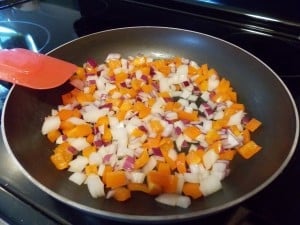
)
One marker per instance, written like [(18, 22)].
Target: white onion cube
[(174, 200), (95, 186), (210, 185), (50, 123), (77, 178)]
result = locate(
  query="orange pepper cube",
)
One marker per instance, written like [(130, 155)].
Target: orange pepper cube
[(115, 179), (121, 194), (253, 124), (192, 132), (249, 149), (192, 190)]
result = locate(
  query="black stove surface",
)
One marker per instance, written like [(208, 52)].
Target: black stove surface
[(278, 46)]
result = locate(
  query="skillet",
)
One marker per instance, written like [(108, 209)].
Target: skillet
[(264, 94)]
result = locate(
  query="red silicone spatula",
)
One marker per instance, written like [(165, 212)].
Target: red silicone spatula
[(34, 70)]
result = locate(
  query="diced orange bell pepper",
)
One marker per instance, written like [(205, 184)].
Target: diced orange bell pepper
[(102, 121), (68, 98), (189, 116), (246, 136), (90, 138), (192, 132), (212, 136), (107, 169), (53, 135), (121, 194), (107, 135), (167, 183), (66, 125), (142, 160), (164, 168), (116, 179), (84, 97), (62, 156), (121, 77), (137, 132), (88, 150), (227, 154), (114, 63), (194, 157), (147, 88), (81, 130), (181, 163), (249, 149), (59, 161), (192, 190), (253, 124), (91, 169), (138, 187), (64, 114), (156, 126)]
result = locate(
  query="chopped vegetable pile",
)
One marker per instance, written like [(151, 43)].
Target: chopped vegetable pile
[(165, 127)]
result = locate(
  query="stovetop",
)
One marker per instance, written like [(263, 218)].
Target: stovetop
[(276, 43)]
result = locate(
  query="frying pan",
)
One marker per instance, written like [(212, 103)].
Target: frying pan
[(266, 97)]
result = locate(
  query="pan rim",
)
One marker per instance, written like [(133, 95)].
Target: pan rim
[(171, 217)]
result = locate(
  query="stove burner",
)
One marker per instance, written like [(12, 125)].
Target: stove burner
[(22, 34)]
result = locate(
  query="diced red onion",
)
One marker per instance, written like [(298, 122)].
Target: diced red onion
[(144, 78), (92, 62), (185, 144), (128, 163), (186, 83), (98, 143), (245, 120), (106, 158), (64, 137), (107, 105), (178, 130), (156, 151), (72, 150), (90, 82)]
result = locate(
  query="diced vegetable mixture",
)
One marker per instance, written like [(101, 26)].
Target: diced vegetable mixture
[(165, 127)]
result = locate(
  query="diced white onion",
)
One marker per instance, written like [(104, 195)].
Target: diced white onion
[(50, 123), (76, 120), (95, 186), (205, 96), (78, 164), (191, 177), (180, 183), (172, 153), (91, 113), (113, 56), (79, 143), (149, 165), (236, 118), (137, 177), (101, 169), (213, 82), (174, 200), (210, 184), (209, 158), (95, 158), (60, 140), (77, 177)]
